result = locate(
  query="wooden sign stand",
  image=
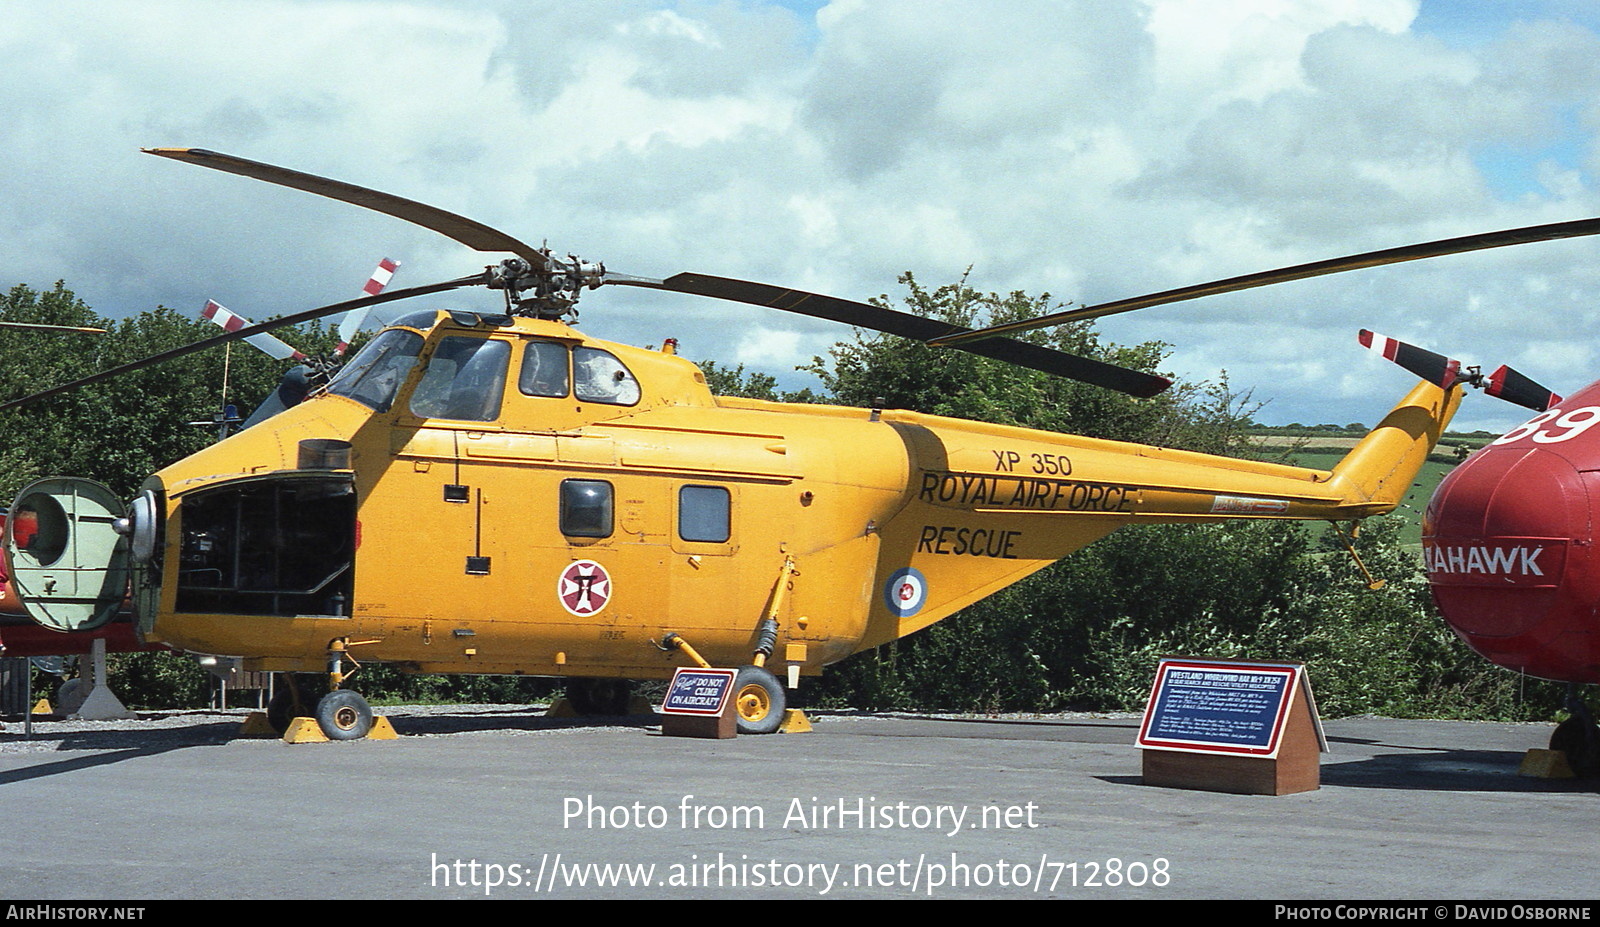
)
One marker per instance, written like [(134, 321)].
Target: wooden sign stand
[(1294, 766), (719, 727)]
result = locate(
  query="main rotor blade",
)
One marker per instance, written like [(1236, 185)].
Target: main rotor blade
[(1430, 249), (242, 333), (876, 318), (473, 234), (42, 327)]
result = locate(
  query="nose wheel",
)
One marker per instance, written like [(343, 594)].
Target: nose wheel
[(344, 715)]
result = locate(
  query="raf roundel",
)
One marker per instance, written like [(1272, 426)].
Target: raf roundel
[(905, 592), (584, 588)]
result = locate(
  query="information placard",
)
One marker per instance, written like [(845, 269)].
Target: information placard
[(1226, 707), (696, 692)]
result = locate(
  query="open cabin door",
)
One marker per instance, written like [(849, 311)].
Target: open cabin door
[(69, 565)]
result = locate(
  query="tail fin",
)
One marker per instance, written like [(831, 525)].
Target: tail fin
[(1378, 471)]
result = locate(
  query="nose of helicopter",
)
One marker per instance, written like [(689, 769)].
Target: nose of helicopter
[(67, 562), (1508, 542)]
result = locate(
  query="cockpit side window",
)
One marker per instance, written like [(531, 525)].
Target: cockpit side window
[(600, 377), (375, 375), (544, 370), (465, 380)]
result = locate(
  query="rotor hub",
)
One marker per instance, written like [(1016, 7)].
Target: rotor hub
[(547, 292)]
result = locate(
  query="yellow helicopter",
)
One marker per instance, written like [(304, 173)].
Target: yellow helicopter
[(502, 493)]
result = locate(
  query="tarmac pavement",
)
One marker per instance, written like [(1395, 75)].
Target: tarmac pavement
[(498, 802)]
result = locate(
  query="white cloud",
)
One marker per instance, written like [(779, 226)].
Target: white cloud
[(1094, 150)]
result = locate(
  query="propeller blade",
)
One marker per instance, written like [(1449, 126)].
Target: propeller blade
[(1430, 249), (1505, 383), (352, 320), (271, 345), (876, 318), (1437, 369), (468, 232), (1515, 388), (297, 318)]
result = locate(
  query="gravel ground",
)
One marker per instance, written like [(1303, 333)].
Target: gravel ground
[(215, 726)]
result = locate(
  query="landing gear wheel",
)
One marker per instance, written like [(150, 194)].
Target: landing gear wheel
[(292, 698), (758, 701), (600, 696), (1579, 739), (69, 698), (344, 715)]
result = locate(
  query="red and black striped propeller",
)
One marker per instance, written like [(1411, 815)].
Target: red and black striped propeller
[(1504, 383)]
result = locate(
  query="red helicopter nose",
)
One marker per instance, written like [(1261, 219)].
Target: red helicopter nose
[(1508, 542)]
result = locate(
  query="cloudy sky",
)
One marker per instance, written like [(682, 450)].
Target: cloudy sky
[(1093, 150)]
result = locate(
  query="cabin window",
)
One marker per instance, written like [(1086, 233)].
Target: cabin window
[(705, 514), (586, 508), (375, 375), (465, 380), (544, 370), (600, 377)]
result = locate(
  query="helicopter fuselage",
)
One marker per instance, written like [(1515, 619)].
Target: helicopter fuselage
[(513, 497)]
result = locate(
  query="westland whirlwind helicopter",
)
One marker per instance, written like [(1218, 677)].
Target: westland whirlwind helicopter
[(501, 493), (1509, 539)]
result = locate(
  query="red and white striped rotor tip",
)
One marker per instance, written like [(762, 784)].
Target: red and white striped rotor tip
[(232, 322), (351, 323), (1437, 369), (380, 277), (1514, 387)]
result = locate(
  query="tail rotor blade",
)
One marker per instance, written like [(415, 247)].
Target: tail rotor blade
[(1517, 389), (1437, 369), (1505, 383)]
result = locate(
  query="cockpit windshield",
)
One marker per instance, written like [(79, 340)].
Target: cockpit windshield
[(419, 319), (375, 375), (465, 380)]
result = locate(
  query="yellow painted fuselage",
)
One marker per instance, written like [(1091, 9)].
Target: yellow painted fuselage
[(548, 533)]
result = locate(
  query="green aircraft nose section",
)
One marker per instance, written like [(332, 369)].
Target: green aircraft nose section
[(69, 564)]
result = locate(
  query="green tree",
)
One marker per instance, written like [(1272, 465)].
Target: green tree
[(152, 411), (120, 431)]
